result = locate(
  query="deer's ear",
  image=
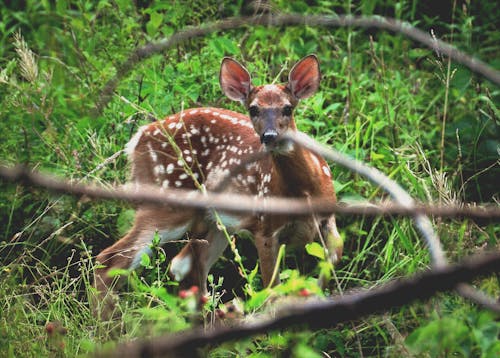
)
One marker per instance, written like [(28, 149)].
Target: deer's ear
[(303, 80), (234, 80)]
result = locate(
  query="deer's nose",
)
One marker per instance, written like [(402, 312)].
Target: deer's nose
[(268, 137)]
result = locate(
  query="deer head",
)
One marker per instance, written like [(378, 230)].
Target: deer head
[(271, 106)]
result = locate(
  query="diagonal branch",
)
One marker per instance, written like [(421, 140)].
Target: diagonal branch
[(320, 314)]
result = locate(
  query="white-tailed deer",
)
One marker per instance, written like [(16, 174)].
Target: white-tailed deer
[(200, 146)]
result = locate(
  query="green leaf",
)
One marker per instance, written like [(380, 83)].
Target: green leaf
[(340, 186), (257, 299), (125, 221), (118, 272), (316, 250), (154, 22), (304, 351), (145, 260)]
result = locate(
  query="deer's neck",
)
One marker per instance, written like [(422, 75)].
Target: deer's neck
[(296, 173)]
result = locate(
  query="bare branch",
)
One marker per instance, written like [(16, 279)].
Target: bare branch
[(236, 203), (321, 314), (394, 189), (389, 24), (422, 222)]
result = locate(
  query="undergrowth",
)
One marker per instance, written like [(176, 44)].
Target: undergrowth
[(383, 100)]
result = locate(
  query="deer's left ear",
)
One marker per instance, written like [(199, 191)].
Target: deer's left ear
[(304, 78), (235, 80)]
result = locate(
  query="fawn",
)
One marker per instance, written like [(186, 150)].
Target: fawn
[(199, 147)]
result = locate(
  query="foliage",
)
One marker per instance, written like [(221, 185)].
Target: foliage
[(383, 100)]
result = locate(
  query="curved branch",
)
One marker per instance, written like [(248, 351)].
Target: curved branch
[(389, 24), (394, 189), (422, 222)]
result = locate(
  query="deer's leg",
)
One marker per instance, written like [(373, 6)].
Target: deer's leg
[(193, 263), (127, 252), (267, 248), (333, 240)]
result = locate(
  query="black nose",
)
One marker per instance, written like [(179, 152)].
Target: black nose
[(269, 136)]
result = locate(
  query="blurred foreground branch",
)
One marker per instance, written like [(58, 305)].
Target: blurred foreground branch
[(150, 49), (233, 202), (319, 314)]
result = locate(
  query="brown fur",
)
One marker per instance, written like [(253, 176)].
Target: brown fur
[(199, 147)]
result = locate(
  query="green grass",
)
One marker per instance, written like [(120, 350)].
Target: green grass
[(394, 121)]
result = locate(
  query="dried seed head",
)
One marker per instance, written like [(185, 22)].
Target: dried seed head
[(27, 61)]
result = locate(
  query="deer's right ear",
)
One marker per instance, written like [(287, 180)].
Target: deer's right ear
[(234, 80)]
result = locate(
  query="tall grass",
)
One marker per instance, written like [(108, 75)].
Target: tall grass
[(427, 123)]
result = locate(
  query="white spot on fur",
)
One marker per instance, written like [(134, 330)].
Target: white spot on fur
[(326, 170), (180, 267), (130, 146), (315, 159), (170, 168), (159, 169), (152, 152), (205, 152)]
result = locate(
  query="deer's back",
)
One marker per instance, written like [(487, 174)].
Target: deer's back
[(193, 147)]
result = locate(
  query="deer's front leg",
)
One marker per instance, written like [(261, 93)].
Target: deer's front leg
[(267, 248), (193, 263)]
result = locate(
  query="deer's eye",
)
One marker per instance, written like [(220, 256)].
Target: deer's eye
[(254, 111), (287, 111)]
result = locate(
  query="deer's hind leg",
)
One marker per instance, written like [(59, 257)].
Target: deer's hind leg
[(126, 253)]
